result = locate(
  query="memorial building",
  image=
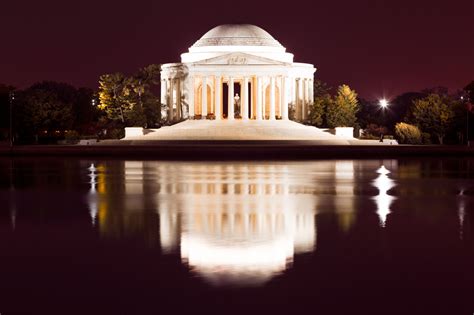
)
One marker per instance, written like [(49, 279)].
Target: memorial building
[(237, 71)]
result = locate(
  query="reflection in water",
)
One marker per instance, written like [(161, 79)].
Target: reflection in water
[(461, 212), (383, 200), (93, 193), (237, 223), (231, 223)]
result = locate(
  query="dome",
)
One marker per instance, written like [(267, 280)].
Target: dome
[(237, 35)]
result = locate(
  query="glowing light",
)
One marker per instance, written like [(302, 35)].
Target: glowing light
[(383, 183), (383, 103)]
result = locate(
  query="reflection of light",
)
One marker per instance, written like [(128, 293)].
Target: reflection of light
[(13, 215), (461, 212), (383, 183), (248, 263), (93, 178), (92, 193), (245, 247)]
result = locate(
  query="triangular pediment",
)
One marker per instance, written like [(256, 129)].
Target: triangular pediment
[(239, 59)]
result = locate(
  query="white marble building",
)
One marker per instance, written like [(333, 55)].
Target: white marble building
[(247, 75)]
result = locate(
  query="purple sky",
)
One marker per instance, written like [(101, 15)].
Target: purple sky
[(380, 48)]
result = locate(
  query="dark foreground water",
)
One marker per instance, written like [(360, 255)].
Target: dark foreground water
[(322, 237)]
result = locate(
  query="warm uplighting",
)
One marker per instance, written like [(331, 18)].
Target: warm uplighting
[(383, 103)]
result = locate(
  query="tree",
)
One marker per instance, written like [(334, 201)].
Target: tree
[(322, 99), (111, 96), (145, 108), (41, 110), (130, 99), (5, 110), (470, 91), (342, 111), (408, 134), (433, 114)]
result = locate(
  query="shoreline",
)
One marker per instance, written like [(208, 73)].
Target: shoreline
[(236, 150)]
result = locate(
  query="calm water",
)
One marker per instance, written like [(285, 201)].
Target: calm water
[(322, 237)]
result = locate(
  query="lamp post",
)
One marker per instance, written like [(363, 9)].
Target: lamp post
[(383, 103), (11, 98)]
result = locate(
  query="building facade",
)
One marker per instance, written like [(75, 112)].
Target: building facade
[(237, 71)]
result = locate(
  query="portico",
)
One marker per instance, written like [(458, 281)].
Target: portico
[(237, 72)]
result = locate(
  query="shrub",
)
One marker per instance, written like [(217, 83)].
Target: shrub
[(408, 134), (373, 130), (71, 136), (117, 133)]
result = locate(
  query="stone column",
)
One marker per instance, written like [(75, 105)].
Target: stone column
[(171, 101), (311, 91), (191, 97), (297, 99), (259, 99), (272, 98), (230, 110), (284, 98), (163, 91), (179, 109), (217, 97), (204, 98), (305, 99), (244, 108)]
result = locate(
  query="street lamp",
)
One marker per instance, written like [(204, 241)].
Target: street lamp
[(383, 103), (12, 98)]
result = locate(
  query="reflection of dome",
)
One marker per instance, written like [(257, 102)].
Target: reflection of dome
[(237, 35)]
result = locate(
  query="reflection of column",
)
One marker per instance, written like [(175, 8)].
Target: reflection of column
[(259, 99), (230, 111), (244, 101), (272, 98), (217, 95), (284, 98), (191, 97), (204, 98)]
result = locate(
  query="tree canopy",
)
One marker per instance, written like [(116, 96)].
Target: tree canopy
[(342, 111), (433, 114), (130, 100)]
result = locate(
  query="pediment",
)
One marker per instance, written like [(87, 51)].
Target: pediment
[(239, 59)]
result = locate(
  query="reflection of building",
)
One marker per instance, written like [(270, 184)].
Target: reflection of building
[(234, 223), (239, 224)]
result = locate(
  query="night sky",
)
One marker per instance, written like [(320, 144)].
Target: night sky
[(380, 48)]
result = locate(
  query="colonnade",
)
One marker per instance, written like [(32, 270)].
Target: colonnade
[(267, 97)]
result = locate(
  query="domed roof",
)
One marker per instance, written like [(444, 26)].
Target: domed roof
[(237, 35)]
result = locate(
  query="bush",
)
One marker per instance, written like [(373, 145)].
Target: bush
[(408, 134), (71, 136), (373, 130), (117, 133)]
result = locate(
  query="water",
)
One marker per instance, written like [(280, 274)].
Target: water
[(335, 236)]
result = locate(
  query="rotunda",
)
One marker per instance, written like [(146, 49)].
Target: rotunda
[(237, 71)]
